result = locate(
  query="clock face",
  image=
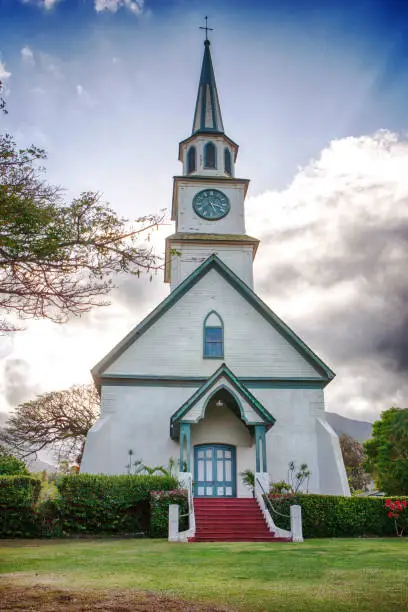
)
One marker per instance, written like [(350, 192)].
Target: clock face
[(211, 204)]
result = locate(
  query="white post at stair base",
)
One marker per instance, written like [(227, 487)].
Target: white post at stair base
[(173, 522), (296, 523)]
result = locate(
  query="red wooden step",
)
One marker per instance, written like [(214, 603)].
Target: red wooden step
[(231, 520)]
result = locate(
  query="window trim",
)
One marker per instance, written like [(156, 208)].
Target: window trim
[(205, 327), (205, 156), (192, 148), (227, 152)]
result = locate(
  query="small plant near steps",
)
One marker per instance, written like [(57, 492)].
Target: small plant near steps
[(230, 520)]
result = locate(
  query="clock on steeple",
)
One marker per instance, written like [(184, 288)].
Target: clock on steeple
[(211, 204), (208, 200)]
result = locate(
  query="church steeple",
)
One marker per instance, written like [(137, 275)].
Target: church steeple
[(207, 116), (208, 199)]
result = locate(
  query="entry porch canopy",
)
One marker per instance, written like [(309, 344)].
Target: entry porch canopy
[(224, 386)]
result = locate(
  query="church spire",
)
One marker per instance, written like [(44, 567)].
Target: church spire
[(207, 116)]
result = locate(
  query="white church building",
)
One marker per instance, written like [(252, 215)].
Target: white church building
[(212, 376)]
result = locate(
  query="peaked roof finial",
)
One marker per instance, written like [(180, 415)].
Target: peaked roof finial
[(207, 116)]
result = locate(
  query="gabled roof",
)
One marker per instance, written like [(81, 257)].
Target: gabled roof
[(214, 263), (223, 371)]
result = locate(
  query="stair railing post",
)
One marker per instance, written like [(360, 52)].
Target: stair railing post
[(174, 511), (296, 523)]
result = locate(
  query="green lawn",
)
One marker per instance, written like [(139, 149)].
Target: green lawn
[(341, 574)]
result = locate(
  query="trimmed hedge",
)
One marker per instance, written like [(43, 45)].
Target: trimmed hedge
[(99, 504), (18, 496), (330, 516), (88, 504), (159, 511)]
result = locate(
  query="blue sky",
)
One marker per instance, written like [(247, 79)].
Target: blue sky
[(110, 93)]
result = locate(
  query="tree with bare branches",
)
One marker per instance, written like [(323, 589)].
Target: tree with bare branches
[(56, 421), (59, 259), (353, 457)]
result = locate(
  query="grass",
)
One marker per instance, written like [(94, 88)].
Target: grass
[(334, 574)]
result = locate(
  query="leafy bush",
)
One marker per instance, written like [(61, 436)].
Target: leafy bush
[(335, 516), (18, 496), (159, 511), (99, 504), (11, 466)]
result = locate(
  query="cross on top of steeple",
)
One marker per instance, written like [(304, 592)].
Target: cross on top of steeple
[(206, 28)]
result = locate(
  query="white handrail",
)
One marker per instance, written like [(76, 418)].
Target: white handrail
[(262, 479)]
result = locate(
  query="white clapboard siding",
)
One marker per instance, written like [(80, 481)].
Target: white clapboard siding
[(173, 345)]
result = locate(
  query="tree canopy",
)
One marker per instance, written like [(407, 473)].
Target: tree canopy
[(59, 259), (387, 452), (10, 465), (57, 421)]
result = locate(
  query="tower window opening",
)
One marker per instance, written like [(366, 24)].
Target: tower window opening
[(227, 161), (191, 160), (213, 336), (210, 155)]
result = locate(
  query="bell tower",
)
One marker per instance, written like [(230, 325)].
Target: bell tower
[(208, 200)]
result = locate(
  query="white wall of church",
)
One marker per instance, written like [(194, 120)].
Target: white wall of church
[(238, 258), (138, 418), (188, 221), (174, 344)]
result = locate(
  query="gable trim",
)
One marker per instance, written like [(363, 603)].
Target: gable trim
[(196, 381), (223, 370), (213, 262)]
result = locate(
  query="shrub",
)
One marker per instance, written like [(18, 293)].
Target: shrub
[(11, 466), (159, 511), (99, 504), (18, 496), (335, 516)]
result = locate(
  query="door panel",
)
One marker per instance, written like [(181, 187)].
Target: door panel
[(214, 470)]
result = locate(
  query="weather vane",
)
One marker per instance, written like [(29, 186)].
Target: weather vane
[(206, 28)]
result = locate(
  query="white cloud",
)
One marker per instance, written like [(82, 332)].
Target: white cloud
[(135, 6), (332, 261), (4, 74), (27, 55), (84, 95), (44, 4)]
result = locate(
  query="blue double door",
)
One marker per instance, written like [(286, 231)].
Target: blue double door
[(214, 470)]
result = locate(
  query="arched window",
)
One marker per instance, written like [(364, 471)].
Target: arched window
[(227, 161), (210, 155), (191, 160), (213, 336)]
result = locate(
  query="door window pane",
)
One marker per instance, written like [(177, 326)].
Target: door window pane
[(200, 474), (220, 491), (220, 471), (208, 471), (201, 490), (208, 452), (209, 491), (228, 471), (228, 490)]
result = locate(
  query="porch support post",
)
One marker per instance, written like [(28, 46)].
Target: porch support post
[(260, 448), (185, 445)]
